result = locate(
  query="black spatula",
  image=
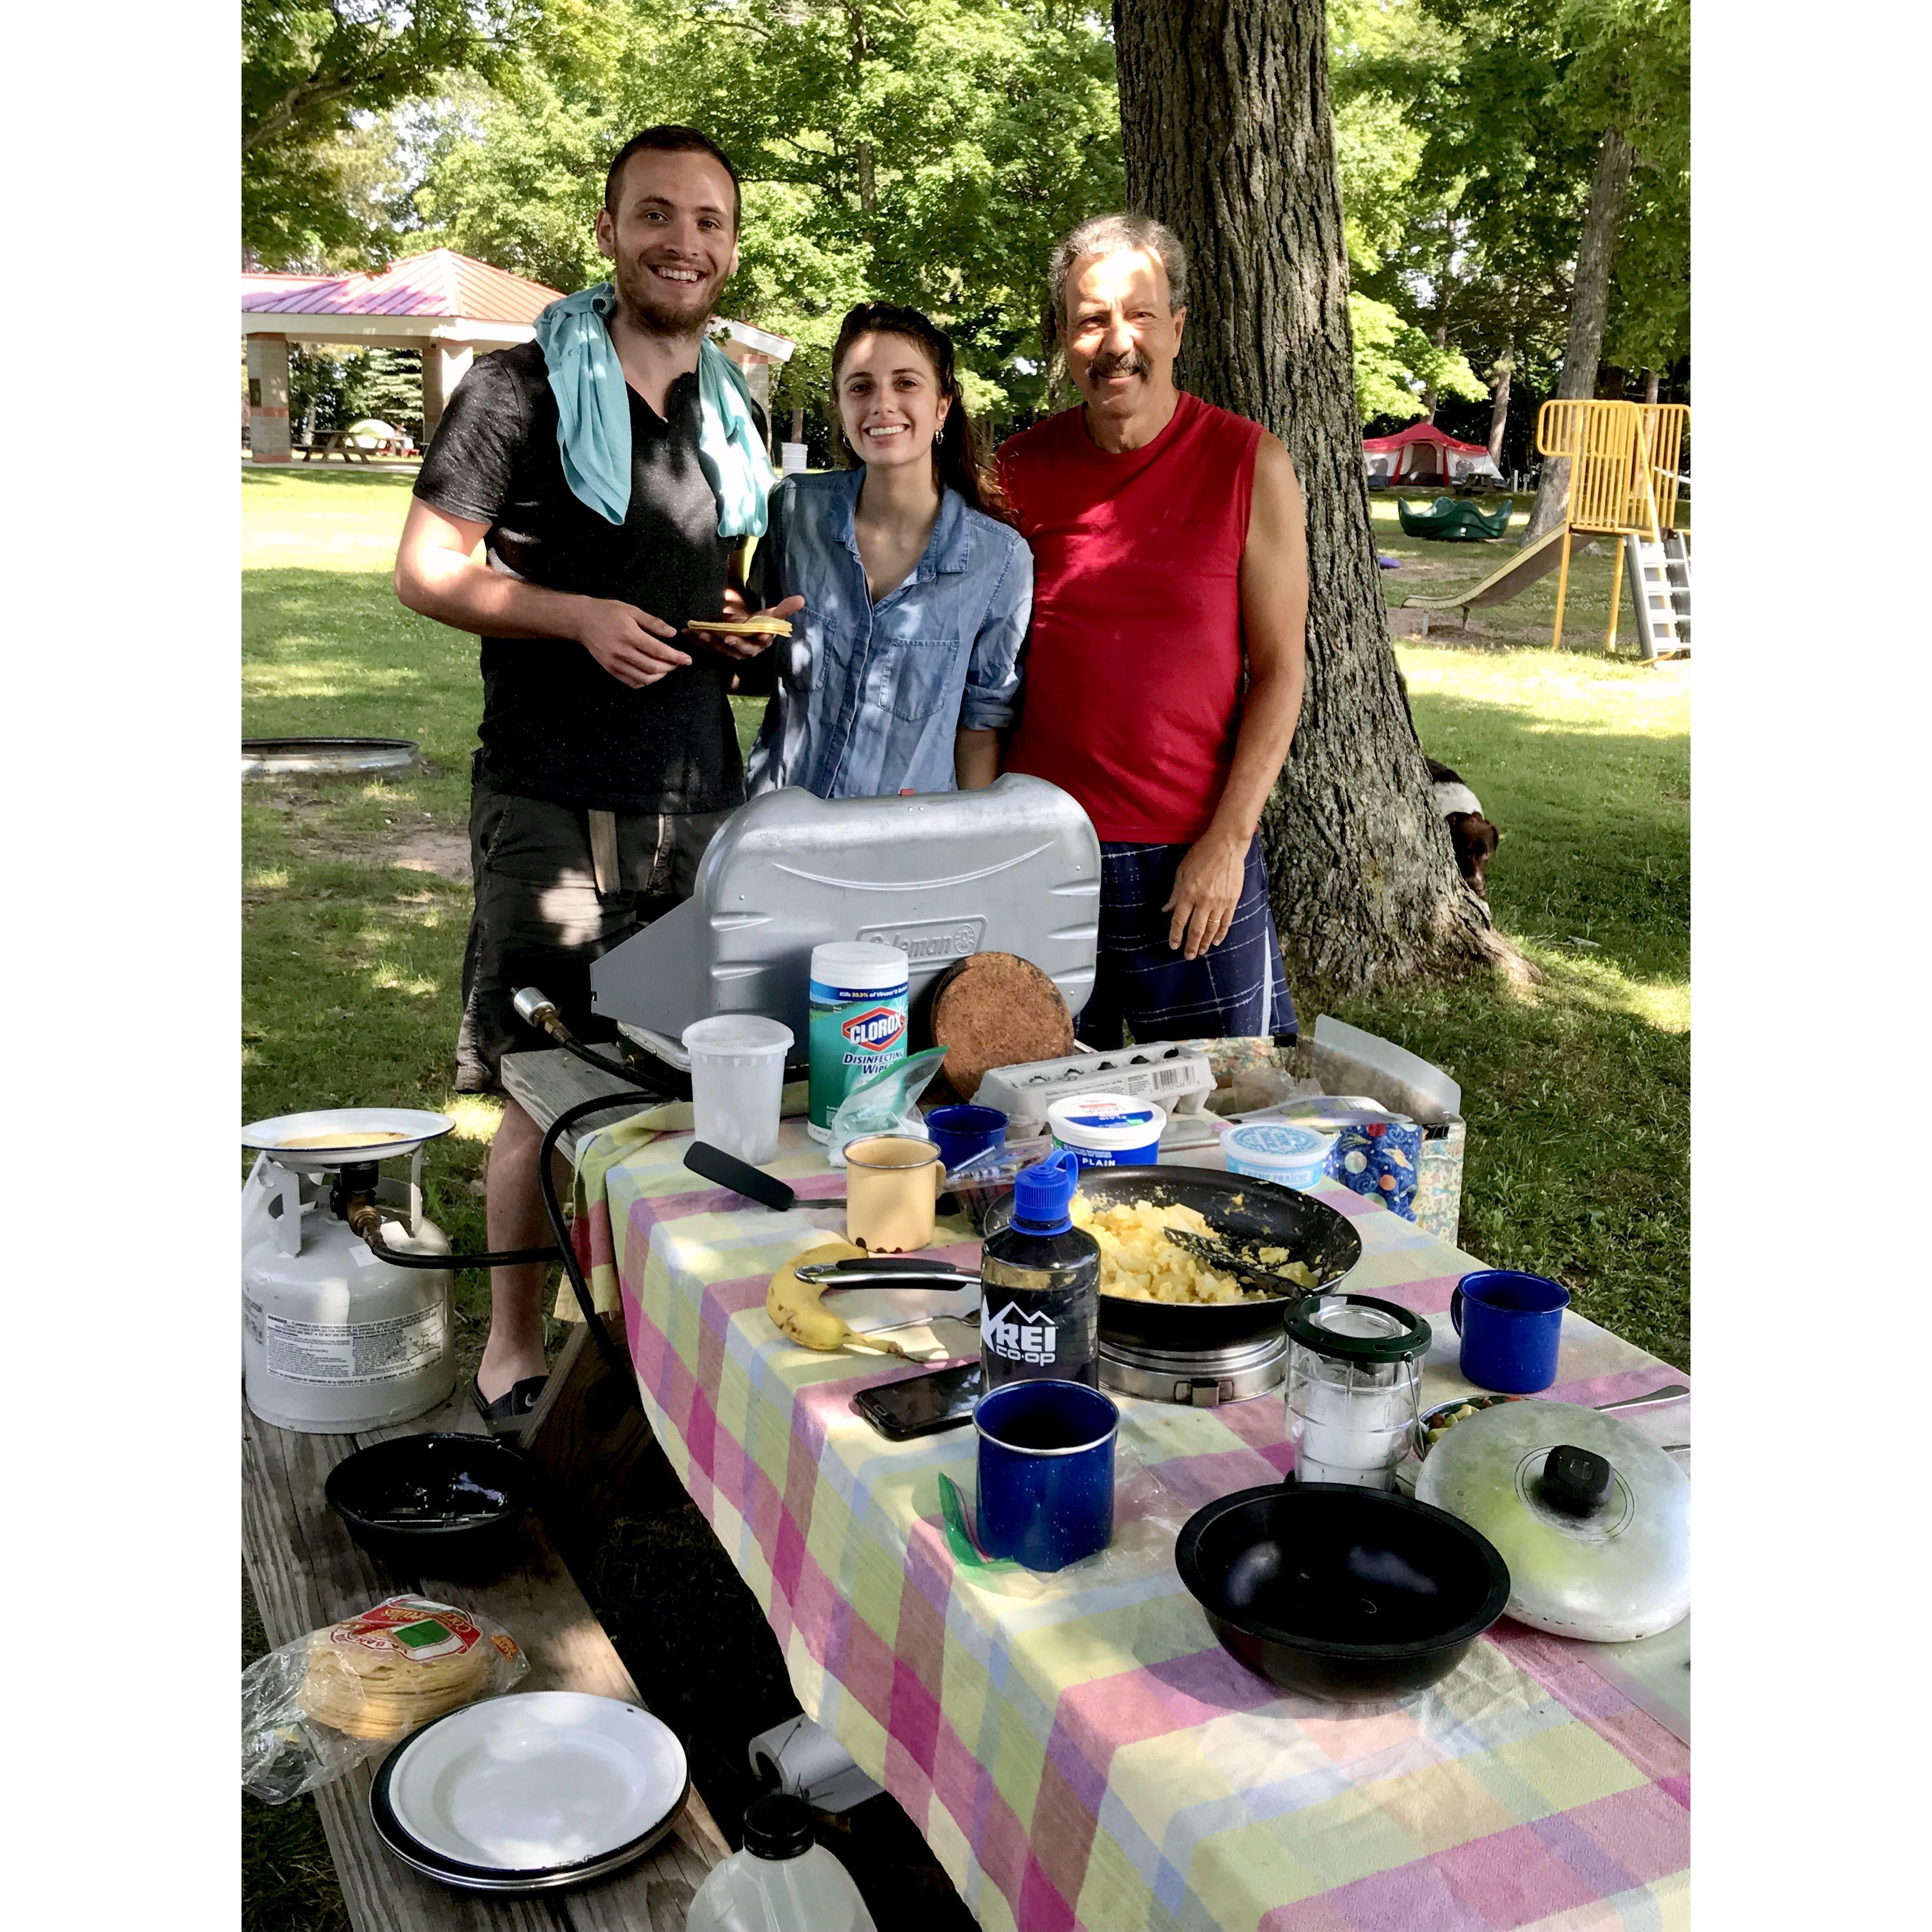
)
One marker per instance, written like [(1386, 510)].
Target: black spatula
[(728, 1171)]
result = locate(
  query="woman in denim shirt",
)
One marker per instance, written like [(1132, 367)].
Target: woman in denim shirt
[(900, 672)]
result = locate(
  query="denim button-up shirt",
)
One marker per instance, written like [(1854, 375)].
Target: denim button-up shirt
[(891, 682)]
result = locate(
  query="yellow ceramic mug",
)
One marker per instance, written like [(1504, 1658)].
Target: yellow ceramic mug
[(891, 1184)]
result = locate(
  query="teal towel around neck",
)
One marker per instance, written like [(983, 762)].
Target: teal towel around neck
[(593, 418)]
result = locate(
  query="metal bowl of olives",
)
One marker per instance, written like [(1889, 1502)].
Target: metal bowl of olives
[(1432, 1424)]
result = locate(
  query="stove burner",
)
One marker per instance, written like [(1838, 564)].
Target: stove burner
[(1199, 1379)]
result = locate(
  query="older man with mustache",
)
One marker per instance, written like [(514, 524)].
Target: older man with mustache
[(582, 502), (1164, 672)]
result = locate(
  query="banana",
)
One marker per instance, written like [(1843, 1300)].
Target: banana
[(799, 1314)]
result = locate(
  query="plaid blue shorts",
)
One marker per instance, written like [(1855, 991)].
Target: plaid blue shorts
[(1236, 990)]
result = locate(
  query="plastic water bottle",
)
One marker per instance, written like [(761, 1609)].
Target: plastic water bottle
[(781, 1882), (1039, 1279)]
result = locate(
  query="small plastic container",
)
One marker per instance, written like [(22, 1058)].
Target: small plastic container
[(781, 1882), (980, 1184), (1108, 1129), (1275, 1151), (737, 1082)]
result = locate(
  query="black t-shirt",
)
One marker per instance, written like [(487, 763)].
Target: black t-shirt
[(556, 725)]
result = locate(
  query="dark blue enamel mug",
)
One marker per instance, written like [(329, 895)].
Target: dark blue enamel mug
[(1510, 1324), (1046, 1472), (961, 1132)]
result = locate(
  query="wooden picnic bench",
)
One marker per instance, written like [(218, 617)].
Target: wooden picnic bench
[(306, 1572)]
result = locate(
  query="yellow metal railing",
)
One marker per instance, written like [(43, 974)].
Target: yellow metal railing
[(1624, 459)]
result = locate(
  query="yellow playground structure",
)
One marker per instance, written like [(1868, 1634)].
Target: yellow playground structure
[(1624, 482)]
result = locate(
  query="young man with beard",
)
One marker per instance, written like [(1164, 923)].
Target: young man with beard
[(1163, 675), (608, 755)]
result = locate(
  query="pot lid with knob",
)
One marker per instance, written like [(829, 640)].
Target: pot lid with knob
[(1592, 1517)]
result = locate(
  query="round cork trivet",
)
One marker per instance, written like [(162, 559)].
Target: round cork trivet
[(996, 1009)]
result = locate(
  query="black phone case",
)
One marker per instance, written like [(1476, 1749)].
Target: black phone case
[(866, 1403)]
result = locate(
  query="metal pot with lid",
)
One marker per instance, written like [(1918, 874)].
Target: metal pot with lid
[(1592, 1518)]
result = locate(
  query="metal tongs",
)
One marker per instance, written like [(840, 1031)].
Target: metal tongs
[(1224, 1258), (888, 1271)]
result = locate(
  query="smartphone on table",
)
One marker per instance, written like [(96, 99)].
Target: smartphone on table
[(922, 1404)]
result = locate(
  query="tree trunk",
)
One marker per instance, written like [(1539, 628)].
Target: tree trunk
[(1228, 138), (862, 151), (1589, 309), (1650, 386), (1499, 404), (1429, 398)]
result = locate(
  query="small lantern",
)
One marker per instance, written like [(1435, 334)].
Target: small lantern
[(1354, 1378)]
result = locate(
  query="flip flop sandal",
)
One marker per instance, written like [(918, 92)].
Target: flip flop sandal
[(505, 1417)]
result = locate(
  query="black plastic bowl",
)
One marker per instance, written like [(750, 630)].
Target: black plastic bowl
[(1354, 1594), (433, 1505)]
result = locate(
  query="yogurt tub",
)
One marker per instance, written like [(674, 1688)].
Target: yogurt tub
[(1275, 1151), (1108, 1129)]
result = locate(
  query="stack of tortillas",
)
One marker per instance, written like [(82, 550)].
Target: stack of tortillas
[(368, 1681), (996, 1009)]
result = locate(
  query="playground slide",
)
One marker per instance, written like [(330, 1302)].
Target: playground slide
[(1527, 567)]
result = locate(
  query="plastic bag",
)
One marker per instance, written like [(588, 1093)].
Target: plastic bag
[(885, 1103), (316, 1709)]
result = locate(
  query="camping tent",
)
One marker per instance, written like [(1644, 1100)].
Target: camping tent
[(1424, 453)]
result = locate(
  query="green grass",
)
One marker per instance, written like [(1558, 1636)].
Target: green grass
[(1576, 1089)]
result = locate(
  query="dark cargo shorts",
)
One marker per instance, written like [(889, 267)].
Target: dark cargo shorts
[(540, 918)]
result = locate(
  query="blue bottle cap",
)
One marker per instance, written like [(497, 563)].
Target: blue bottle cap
[(1043, 1192)]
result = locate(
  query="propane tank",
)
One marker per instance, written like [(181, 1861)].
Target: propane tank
[(334, 1338)]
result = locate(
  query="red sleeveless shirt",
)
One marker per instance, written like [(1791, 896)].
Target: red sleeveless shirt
[(1134, 668)]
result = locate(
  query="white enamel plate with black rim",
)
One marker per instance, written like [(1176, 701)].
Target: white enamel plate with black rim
[(537, 1790)]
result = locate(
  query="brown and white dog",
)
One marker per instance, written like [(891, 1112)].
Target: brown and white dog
[(1474, 836)]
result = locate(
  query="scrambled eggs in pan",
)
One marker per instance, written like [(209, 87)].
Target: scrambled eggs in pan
[(1139, 1263)]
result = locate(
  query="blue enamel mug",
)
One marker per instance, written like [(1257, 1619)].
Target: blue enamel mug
[(961, 1132), (1510, 1324), (1046, 1471)]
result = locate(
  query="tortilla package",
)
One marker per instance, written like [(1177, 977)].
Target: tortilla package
[(313, 1709)]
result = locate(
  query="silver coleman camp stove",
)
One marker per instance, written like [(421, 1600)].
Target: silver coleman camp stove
[(942, 875), (1198, 1378), (334, 1337)]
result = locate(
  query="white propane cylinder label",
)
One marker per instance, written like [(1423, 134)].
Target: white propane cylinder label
[(356, 1353)]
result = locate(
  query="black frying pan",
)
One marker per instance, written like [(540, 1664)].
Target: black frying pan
[(1261, 1212)]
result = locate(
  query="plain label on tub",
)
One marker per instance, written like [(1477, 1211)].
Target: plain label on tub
[(355, 1354)]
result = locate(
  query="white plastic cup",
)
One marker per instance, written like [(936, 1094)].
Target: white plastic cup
[(737, 1082)]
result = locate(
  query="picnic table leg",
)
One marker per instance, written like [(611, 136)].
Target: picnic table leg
[(587, 1435)]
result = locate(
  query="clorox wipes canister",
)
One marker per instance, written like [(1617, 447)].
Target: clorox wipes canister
[(858, 999), (1040, 1279)]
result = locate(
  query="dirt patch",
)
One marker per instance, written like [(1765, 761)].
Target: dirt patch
[(422, 846), (432, 849)]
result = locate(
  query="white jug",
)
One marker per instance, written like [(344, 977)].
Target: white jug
[(781, 1882)]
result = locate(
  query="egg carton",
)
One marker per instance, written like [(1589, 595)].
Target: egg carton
[(1177, 1077)]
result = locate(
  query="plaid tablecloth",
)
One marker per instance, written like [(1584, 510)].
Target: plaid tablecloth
[(1078, 1750)]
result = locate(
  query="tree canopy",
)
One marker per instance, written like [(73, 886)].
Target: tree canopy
[(930, 151)]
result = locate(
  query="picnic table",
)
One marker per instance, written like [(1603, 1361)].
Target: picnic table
[(354, 446), (1078, 1749)]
